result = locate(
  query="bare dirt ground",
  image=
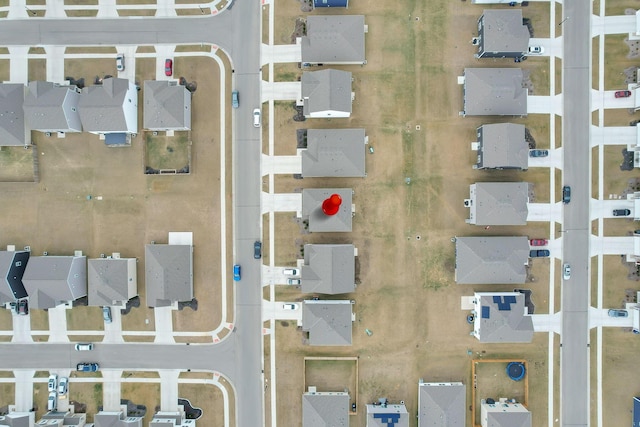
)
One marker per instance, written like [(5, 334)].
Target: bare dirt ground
[(407, 295)]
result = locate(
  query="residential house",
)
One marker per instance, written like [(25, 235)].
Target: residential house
[(169, 272), (636, 412), (320, 409), (498, 203), (171, 419), (50, 107), (494, 92), (328, 322), (12, 266), (167, 106), (491, 260), (54, 280), (502, 34), (334, 39), (385, 414), (116, 419), (442, 404), (61, 419), (334, 153), (502, 146), (111, 107), (319, 221), (328, 269), (501, 317), (13, 130), (504, 413), (18, 419), (326, 94), (112, 280)]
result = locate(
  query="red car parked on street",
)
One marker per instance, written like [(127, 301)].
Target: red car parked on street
[(623, 93), (168, 67), (538, 242)]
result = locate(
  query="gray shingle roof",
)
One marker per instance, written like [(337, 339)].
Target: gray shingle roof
[(494, 92), (328, 322), (312, 199), (502, 318), (442, 405), (508, 419), (325, 410), (111, 281), (499, 203), (379, 416), (503, 145), (491, 260), (107, 107), (168, 274), (52, 280), (14, 419), (334, 39), (334, 153), (167, 106), (116, 419), (328, 269), (12, 126), (12, 267), (326, 93), (503, 32), (49, 107)]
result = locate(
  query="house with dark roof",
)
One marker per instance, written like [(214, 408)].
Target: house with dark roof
[(501, 317), (12, 267), (111, 107), (328, 323), (112, 280), (322, 409), (54, 280), (334, 153), (319, 221), (116, 419), (501, 146), (50, 107), (168, 274), (494, 92), (386, 414), (491, 260), (498, 203), (442, 404), (328, 269), (167, 106), (326, 94), (504, 414), (330, 3), (502, 34), (13, 130), (334, 39)]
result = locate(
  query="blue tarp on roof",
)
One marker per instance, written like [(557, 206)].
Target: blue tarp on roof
[(485, 311), (389, 419), (504, 303), (636, 412), (330, 3)]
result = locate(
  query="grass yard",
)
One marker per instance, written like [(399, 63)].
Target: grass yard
[(163, 152), (16, 164)]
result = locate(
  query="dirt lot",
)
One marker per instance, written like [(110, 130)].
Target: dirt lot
[(406, 293)]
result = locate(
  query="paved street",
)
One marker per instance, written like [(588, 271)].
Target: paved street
[(576, 127)]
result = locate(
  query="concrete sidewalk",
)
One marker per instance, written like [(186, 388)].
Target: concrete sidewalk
[(169, 390), (58, 324), (164, 325), (614, 135), (281, 165), (611, 245), (286, 202)]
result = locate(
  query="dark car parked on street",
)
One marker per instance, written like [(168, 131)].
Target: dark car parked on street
[(257, 249), (538, 153), (621, 212), (566, 194)]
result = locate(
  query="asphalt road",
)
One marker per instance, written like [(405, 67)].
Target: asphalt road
[(239, 355), (576, 123)]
